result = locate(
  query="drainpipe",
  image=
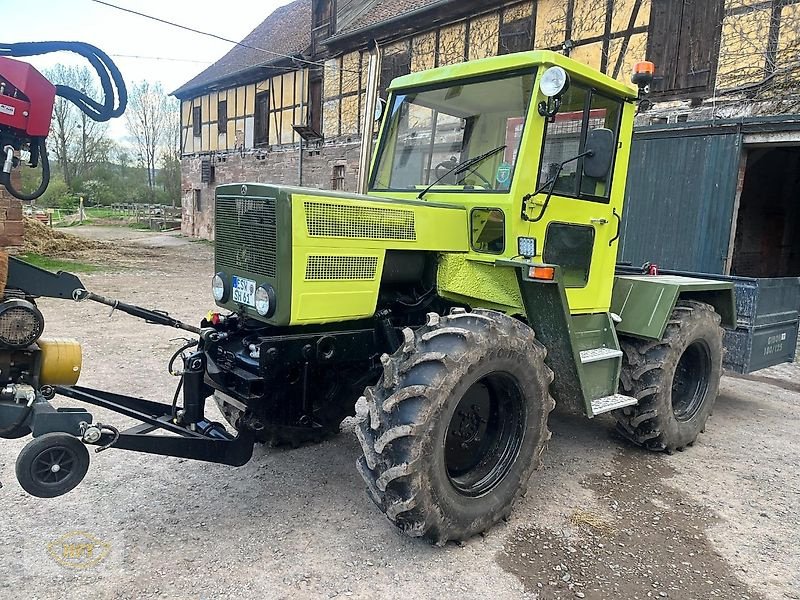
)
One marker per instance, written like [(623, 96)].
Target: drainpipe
[(368, 126), (298, 61)]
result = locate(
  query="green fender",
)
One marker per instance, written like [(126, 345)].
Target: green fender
[(645, 302)]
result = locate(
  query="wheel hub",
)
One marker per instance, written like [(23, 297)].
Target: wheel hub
[(470, 425), (484, 434), (52, 466), (690, 382)]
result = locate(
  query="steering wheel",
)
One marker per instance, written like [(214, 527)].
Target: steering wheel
[(482, 178), (443, 167)]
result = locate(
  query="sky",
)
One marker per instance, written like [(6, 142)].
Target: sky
[(163, 53)]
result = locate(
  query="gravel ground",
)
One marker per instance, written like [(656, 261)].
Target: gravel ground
[(601, 519)]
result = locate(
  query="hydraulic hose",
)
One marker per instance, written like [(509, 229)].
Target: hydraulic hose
[(5, 178)]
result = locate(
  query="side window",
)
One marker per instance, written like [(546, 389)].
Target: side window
[(488, 230), (582, 110), (563, 139), (604, 113), (570, 247)]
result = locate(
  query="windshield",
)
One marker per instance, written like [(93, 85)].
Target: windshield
[(430, 132)]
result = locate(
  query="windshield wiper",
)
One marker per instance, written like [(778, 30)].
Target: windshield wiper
[(462, 167)]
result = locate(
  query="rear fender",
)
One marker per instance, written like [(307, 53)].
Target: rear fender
[(645, 302)]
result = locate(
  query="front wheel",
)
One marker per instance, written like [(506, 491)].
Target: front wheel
[(456, 425), (676, 379)]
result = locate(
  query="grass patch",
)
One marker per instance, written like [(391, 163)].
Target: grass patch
[(140, 225), (59, 264)]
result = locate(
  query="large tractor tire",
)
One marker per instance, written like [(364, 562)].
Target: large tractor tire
[(676, 380), (455, 427)]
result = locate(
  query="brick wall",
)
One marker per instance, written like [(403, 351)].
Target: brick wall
[(11, 226), (278, 166)]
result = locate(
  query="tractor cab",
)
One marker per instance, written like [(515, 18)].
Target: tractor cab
[(534, 146)]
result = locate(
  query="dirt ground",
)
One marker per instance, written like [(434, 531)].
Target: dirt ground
[(601, 520)]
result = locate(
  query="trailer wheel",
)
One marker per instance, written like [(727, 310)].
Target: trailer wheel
[(676, 380), (52, 465), (455, 427)]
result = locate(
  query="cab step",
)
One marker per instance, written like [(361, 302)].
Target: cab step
[(613, 402), (598, 354)]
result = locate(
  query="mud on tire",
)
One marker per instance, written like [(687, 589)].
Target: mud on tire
[(676, 379), (456, 425)]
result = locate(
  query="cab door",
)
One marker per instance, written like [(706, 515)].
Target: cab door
[(579, 227)]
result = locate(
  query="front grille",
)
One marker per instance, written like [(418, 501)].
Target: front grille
[(331, 268), (362, 222), (246, 236)]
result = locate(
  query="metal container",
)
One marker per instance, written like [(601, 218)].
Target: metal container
[(768, 318)]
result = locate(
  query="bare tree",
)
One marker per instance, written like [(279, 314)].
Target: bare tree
[(170, 175), (77, 141), (148, 119)]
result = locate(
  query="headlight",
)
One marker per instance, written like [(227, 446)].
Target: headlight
[(218, 287), (555, 81), (265, 300)]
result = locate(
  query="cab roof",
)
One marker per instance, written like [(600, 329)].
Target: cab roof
[(511, 62)]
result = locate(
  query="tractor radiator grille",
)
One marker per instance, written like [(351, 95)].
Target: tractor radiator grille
[(333, 268), (246, 236), (367, 222)]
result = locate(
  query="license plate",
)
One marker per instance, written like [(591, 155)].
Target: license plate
[(244, 291)]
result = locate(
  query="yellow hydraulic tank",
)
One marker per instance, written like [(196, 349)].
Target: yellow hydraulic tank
[(61, 361)]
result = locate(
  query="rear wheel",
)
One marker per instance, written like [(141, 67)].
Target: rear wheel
[(676, 379), (455, 427)]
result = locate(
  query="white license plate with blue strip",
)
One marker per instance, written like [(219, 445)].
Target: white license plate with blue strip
[(244, 291)]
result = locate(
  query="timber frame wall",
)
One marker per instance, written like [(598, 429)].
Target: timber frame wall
[(699, 46)]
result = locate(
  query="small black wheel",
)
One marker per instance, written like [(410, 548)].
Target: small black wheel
[(52, 465), (676, 379), (456, 426)]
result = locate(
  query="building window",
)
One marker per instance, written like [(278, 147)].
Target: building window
[(222, 116), (197, 200), (683, 43), (197, 121), (261, 120), (516, 36), (396, 62), (315, 105), (337, 181)]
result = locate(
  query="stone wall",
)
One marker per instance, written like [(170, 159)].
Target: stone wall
[(280, 166), (11, 225)]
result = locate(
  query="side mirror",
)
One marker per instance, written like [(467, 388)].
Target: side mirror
[(600, 153)]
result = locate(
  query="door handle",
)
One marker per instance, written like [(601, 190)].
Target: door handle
[(598, 221), (619, 225)]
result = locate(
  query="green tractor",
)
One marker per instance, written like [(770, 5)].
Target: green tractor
[(468, 291)]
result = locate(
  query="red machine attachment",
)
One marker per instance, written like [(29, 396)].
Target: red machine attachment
[(26, 99), (26, 105)]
